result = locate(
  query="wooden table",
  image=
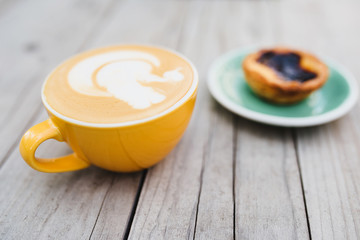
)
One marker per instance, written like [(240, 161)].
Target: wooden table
[(229, 177)]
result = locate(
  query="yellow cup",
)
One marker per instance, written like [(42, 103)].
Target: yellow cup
[(123, 147)]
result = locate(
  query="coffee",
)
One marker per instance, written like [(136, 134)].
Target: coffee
[(118, 84)]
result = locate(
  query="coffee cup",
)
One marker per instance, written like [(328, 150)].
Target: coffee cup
[(121, 108)]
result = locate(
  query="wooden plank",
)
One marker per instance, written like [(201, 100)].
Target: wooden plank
[(269, 200), (330, 172), (215, 211), (268, 197), (329, 154), (168, 204), (160, 23), (238, 29), (215, 216)]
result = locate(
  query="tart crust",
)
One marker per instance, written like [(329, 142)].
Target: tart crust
[(269, 84)]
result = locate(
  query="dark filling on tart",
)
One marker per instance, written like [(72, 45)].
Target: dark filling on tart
[(286, 65)]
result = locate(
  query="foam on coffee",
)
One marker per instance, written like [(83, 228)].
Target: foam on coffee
[(118, 84)]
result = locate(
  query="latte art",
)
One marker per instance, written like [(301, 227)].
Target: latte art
[(118, 84), (121, 74)]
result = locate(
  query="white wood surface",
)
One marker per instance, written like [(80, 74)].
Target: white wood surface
[(229, 178)]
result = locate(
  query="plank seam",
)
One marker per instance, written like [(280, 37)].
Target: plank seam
[(205, 157), (144, 175), (295, 142), (101, 206), (235, 140), (205, 148), (285, 176), (134, 207), (179, 43)]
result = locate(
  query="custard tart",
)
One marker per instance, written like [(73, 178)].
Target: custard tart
[(283, 75)]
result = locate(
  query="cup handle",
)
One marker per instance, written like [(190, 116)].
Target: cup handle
[(40, 133)]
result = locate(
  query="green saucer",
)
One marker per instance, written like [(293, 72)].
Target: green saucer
[(227, 84)]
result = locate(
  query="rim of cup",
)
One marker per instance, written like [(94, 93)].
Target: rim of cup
[(189, 93)]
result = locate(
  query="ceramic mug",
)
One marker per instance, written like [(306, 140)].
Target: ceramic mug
[(123, 147)]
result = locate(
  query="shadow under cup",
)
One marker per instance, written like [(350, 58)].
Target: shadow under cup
[(123, 147)]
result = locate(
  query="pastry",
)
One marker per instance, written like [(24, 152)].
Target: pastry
[(284, 75)]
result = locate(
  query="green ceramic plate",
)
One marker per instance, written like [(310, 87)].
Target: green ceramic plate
[(227, 84)]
